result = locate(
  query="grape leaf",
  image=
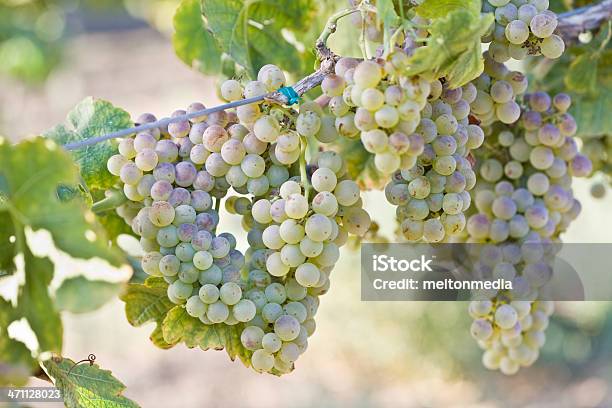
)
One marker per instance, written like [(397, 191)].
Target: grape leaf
[(251, 31), (70, 295), (582, 73), (35, 304), (90, 118), (30, 173), (157, 338), (440, 8), (86, 385), (16, 362), (453, 38), (193, 43), (178, 326), (146, 302)]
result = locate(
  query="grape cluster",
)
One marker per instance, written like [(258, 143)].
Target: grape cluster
[(498, 89), (295, 240), (166, 181), (510, 332), (432, 195), (524, 201), (374, 101), (522, 28), (171, 177)]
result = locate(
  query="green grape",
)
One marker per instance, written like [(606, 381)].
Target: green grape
[(253, 165), (150, 263), (195, 307), (209, 293), (167, 236), (251, 337), (230, 293), (296, 206), (552, 47), (291, 255), (289, 352), (275, 293), (180, 290), (308, 123), (275, 265), (505, 316), (271, 342), (287, 327), (291, 232), (244, 310), (307, 275), (271, 311), (367, 74), (310, 248), (318, 227), (262, 361), (324, 179), (217, 312)]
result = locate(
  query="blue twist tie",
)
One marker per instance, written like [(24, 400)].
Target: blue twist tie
[(290, 94)]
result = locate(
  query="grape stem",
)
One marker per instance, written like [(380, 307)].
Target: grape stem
[(303, 173), (114, 200), (217, 204)]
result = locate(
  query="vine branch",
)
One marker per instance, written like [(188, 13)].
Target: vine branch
[(588, 18), (571, 25)]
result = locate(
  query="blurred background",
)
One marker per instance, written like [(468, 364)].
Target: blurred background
[(388, 354)]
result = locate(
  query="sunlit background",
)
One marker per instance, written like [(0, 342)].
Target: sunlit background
[(54, 53)]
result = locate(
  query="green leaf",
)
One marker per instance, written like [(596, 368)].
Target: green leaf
[(35, 304), (440, 8), (193, 43), (582, 73), (251, 31), (592, 114), (81, 295), (465, 67), (29, 175), (90, 118), (86, 385), (178, 326), (16, 361), (454, 40), (157, 338), (388, 17), (8, 247), (146, 302)]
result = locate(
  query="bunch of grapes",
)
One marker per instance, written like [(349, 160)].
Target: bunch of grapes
[(375, 101), (432, 195), (498, 89), (295, 240), (522, 28), (171, 177), (524, 202), (164, 176)]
